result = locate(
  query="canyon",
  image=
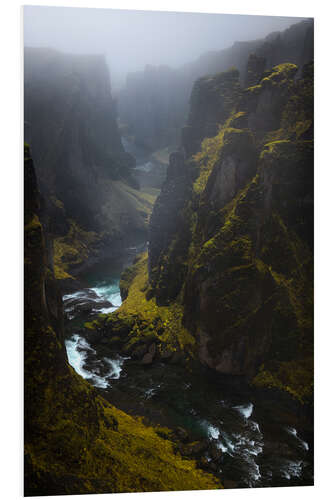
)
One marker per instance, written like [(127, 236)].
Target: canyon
[(169, 271)]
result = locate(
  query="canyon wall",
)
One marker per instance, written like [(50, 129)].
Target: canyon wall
[(76, 442), (237, 248), (92, 200), (155, 102)]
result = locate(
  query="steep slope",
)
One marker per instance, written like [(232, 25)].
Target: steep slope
[(231, 234), (155, 102), (75, 441), (91, 197)]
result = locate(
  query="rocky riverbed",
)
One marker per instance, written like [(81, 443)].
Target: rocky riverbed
[(230, 429)]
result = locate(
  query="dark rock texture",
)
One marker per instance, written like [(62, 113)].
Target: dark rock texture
[(91, 198), (155, 102), (169, 232), (245, 271), (75, 441)]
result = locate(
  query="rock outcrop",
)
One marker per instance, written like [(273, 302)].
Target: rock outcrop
[(155, 102), (244, 275), (92, 201), (229, 276)]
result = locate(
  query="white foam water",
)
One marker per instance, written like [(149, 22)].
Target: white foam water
[(227, 444), (213, 432), (293, 432), (77, 357), (291, 469), (254, 426), (111, 293), (245, 410), (149, 393), (73, 295), (115, 367), (255, 473)]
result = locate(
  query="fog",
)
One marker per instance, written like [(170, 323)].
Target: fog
[(132, 39)]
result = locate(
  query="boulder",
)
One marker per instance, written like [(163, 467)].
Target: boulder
[(182, 434), (195, 449), (149, 356)]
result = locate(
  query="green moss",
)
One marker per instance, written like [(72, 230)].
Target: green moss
[(92, 325), (145, 317), (227, 141), (72, 249), (102, 448), (273, 150), (123, 199), (248, 286), (294, 377), (34, 224), (280, 75), (75, 441), (126, 279)]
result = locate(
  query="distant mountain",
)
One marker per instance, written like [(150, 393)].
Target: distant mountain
[(85, 176), (155, 102)]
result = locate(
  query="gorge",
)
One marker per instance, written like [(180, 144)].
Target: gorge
[(169, 271)]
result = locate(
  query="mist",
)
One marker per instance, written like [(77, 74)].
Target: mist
[(130, 39)]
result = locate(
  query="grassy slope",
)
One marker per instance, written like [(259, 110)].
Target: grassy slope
[(124, 204)]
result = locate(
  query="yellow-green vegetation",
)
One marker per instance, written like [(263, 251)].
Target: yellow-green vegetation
[(147, 318), (206, 158), (294, 377), (275, 289), (280, 75), (247, 271), (256, 266), (145, 199), (213, 149), (297, 116), (126, 205), (154, 192), (86, 445), (75, 441), (126, 208), (72, 249), (266, 102), (34, 223)]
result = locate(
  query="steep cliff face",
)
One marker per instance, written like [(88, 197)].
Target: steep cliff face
[(75, 441), (161, 95), (86, 177), (212, 100), (244, 274)]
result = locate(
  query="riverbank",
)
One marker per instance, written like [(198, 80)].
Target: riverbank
[(245, 439)]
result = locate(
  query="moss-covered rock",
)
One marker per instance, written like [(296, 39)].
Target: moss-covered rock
[(212, 100), (75, 441), (247, 283), (141, 317)]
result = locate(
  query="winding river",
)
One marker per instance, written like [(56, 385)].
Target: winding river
[(257, 441), (258, 444)]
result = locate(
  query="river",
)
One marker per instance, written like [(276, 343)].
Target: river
[(259, 445), (255, 441)]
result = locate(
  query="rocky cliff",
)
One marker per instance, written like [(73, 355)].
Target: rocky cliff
[(231, 235), (75, 441), (155, 102), (91, 197)]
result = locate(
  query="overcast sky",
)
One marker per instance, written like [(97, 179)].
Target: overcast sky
[(132, 39)]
